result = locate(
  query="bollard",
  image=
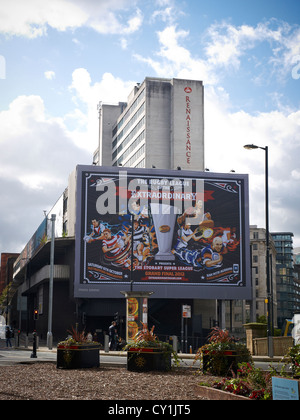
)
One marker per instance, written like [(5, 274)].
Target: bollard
[(106, 343), (175, 342), (33, 354)]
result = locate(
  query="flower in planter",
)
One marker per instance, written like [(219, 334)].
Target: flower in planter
[(222, 353), (76, 338), (77, 351), (293, 360), (146, 340), (250, 382)]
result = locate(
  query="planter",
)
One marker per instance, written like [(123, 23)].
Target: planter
[(78, 356), (221, 363), (217, 394), (147, 359)]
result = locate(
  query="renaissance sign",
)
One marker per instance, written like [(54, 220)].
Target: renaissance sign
[(176, 233), (188, 126)]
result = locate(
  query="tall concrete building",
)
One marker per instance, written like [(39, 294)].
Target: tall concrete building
[(258, 271), (160, 126), (287, 287)]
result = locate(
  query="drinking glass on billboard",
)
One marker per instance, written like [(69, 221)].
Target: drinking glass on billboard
[(164, 218)]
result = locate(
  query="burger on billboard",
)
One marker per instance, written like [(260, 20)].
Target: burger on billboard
[(173, 231)]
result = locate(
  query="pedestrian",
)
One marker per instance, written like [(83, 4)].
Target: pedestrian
[(8, 336), (112, 334)]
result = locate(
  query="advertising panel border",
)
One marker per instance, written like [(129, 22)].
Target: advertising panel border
[(180, 234)]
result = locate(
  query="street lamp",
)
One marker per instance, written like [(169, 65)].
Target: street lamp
[(269, 289), (51, 279)]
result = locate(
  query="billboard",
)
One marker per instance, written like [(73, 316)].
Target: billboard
[(179, 234), (36, 242)]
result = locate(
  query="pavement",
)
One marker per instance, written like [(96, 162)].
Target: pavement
[(14, 355)]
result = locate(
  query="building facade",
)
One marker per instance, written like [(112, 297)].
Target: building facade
[(6, 277), (161, 126), (296, 258), (286, 286), (259, 282)]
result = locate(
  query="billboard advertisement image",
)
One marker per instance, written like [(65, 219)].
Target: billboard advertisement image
[(178, 233)]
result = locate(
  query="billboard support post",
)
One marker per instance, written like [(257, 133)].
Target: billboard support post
[(131, 259), (136, 312), (186, 314)]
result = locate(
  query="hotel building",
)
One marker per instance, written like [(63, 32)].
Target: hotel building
[(160, 126)]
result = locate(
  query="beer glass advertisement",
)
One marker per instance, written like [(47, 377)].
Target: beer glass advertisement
[(178, 233)]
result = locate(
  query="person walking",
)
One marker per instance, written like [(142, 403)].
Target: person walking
[(112, 333), (8, 336)]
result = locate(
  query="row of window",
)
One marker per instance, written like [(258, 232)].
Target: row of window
[(135, 157), (130, 110), (141, 164), (128, 126), (282, 237), (137, 142), (128, 139)]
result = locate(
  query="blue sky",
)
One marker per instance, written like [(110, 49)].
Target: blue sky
[(58, 59)]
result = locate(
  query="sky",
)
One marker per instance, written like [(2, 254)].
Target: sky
[(60, 58)]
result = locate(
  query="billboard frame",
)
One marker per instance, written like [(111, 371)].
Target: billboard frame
[(111, 289)]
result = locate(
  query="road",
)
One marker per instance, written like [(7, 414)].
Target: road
[(14, 356)]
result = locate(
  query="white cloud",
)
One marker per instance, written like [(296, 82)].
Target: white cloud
[(134, 23), (175, 60), (110, 89), (31, 18), (31, 143), (87, 95), (227, 132), (50, 75), (226, 44), (37, 153)]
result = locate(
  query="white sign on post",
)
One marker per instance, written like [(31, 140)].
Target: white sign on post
[(186, 311)]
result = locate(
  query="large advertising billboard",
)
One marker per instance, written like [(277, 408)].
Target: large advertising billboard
[(179, 234)]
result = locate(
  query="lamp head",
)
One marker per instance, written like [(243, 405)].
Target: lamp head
[(250, 147)]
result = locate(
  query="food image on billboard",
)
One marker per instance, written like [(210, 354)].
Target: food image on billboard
[(132, 318), (179, 228)]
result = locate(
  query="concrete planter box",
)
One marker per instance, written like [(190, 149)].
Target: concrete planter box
[(254, 330), (281, 346), (217, 394), (78, 356)]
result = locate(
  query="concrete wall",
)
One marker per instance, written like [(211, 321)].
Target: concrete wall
[(280, 346), (188, 125), (158, 121)]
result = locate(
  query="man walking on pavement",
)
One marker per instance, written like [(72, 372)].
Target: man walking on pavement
[(112, 333), (8, 337)]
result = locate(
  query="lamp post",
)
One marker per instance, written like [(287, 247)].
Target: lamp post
[(269, 288), (131, 259), (50, 310)]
